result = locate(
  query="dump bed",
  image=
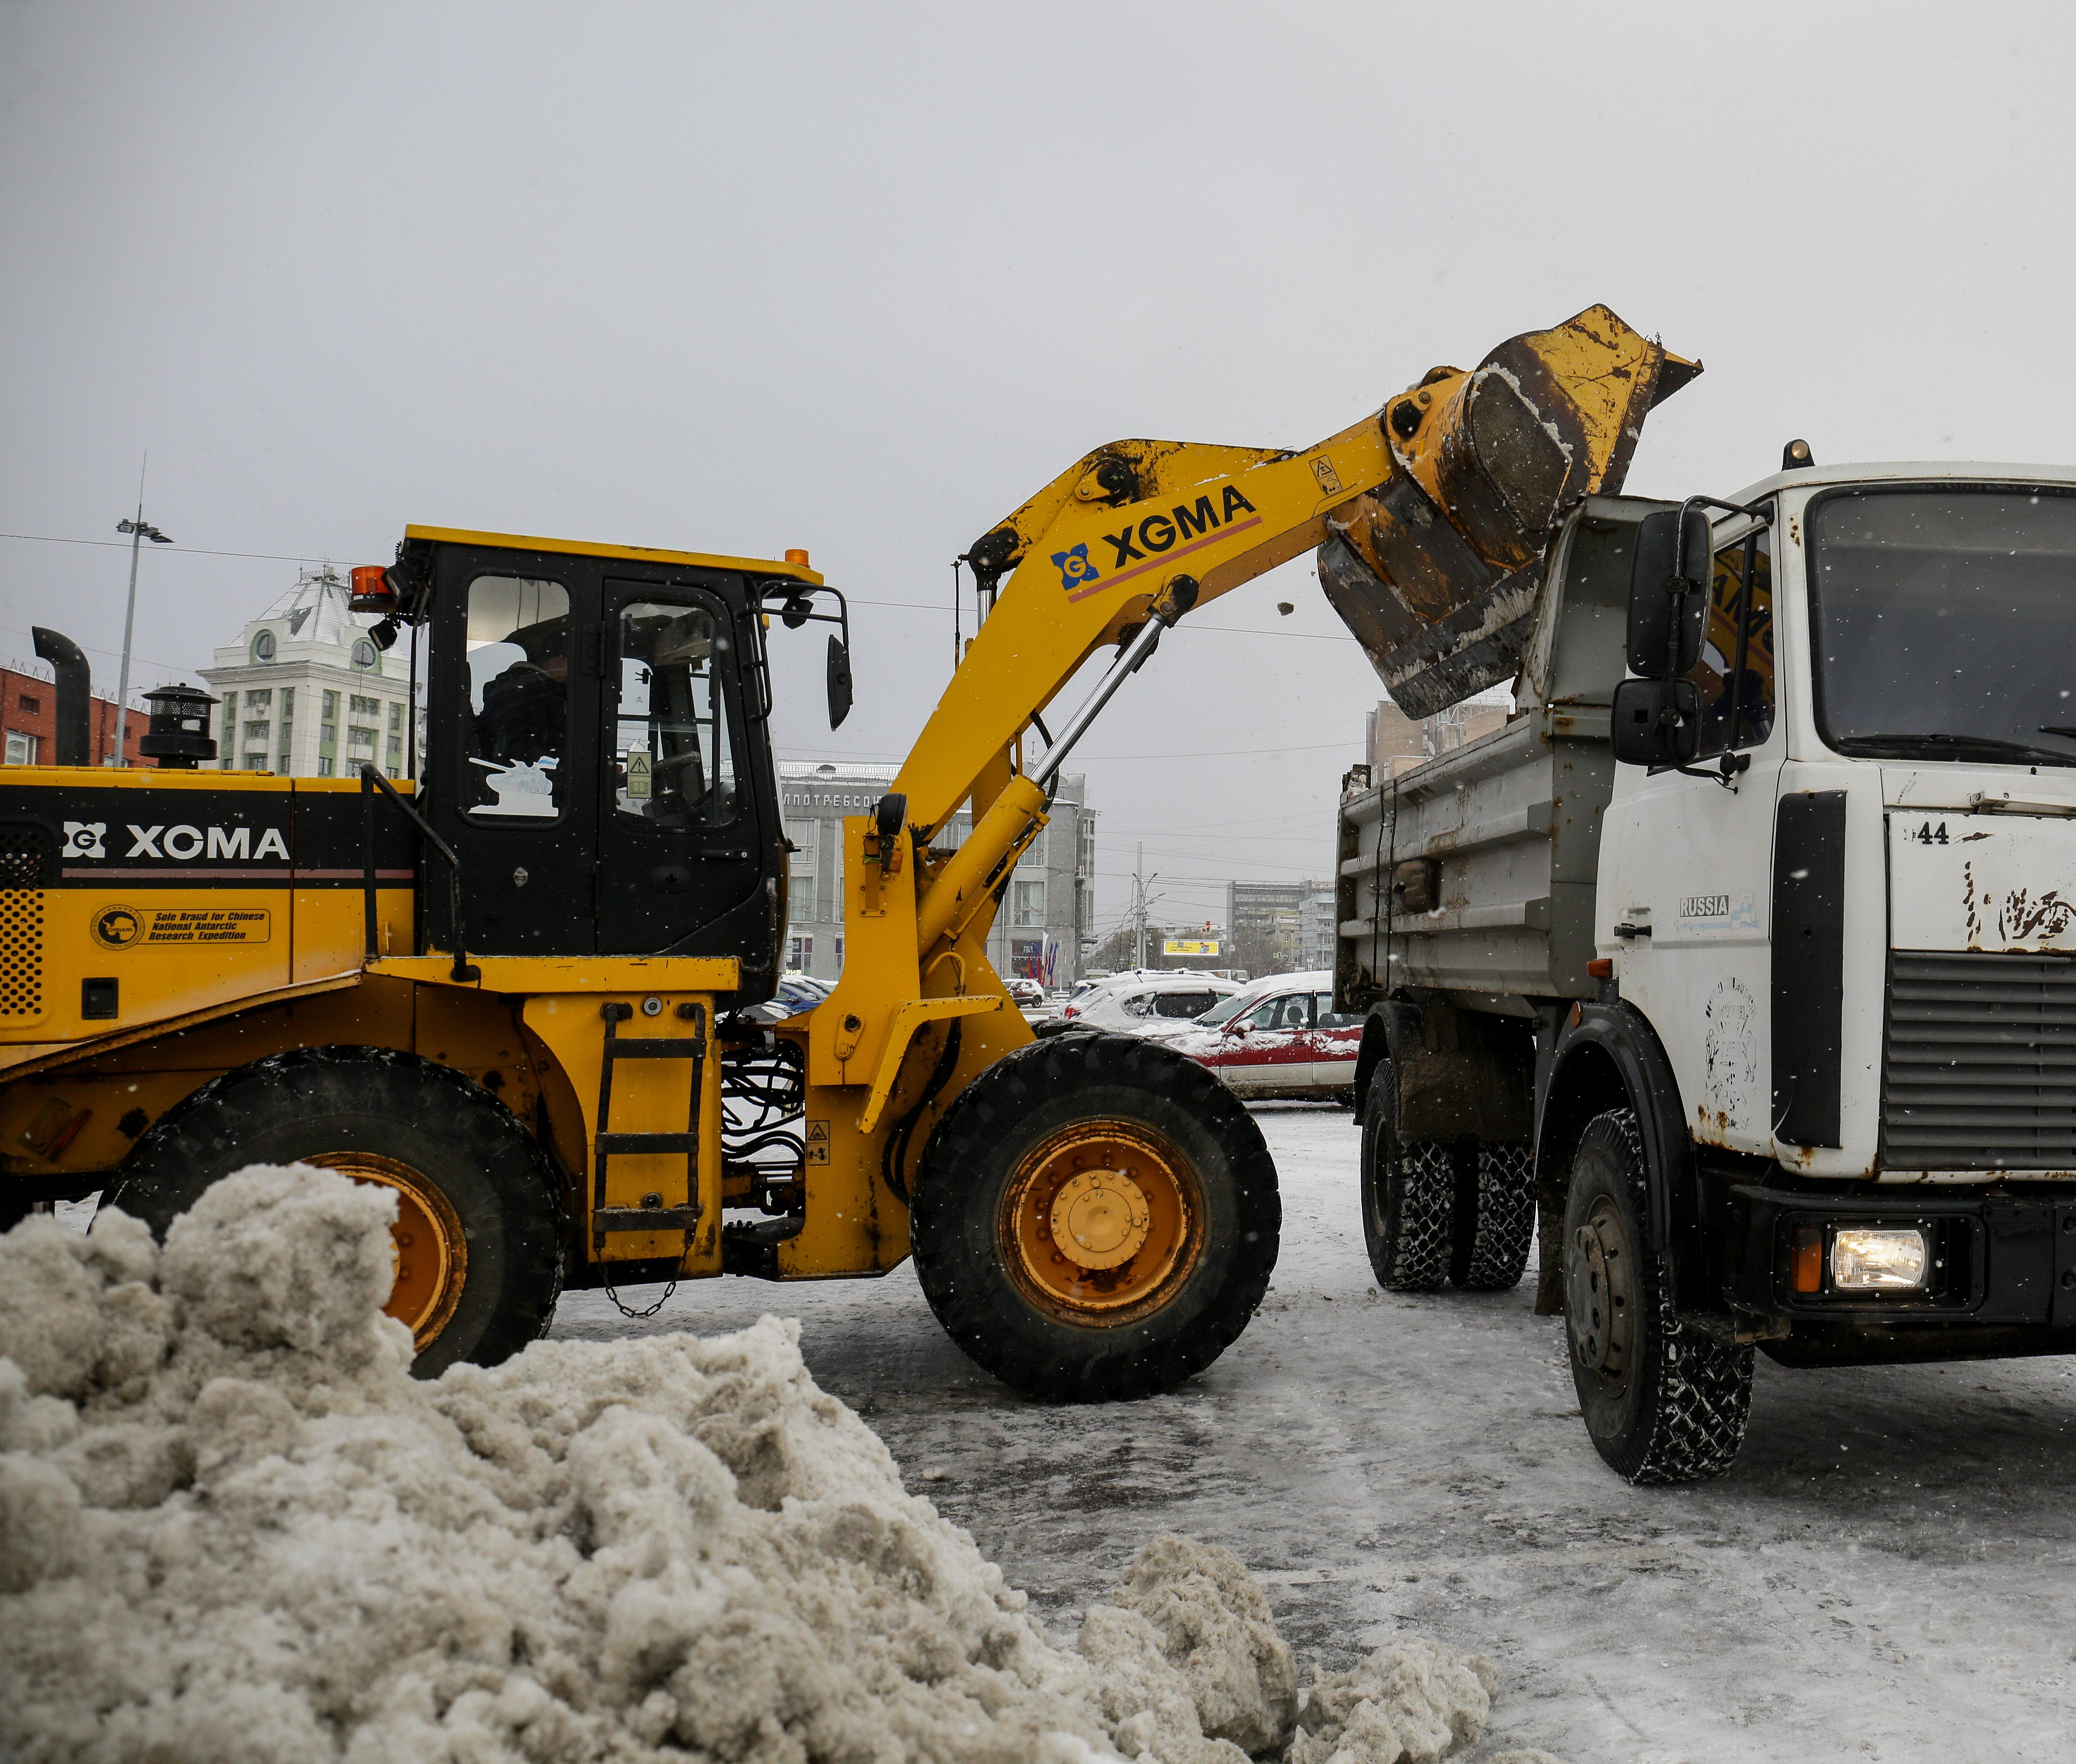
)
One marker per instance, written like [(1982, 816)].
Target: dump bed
[(1473, 875)]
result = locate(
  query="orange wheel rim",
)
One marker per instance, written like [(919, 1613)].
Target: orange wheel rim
[(1102, 1222), (428, 1254)]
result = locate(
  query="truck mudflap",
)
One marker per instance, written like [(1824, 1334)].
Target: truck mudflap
[(1995, 1272)]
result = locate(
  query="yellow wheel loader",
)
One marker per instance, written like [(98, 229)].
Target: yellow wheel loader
[(527, 988)]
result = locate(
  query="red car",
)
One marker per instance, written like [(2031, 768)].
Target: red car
[(1280, 1037)]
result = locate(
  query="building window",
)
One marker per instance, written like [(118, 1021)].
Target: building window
[(327, 766), (359, 743), (395, 756), (288, 727), (806, 836), (800, 952), (360, 706), (263, 698), (255, 732), (227, 732), (1030, 903), (21, 749), (255, 762), (33, 706), (262, 647), (1034, 854), (838, 955), (365, 655), (396, 719)]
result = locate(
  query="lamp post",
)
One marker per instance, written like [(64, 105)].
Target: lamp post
[(139, 530)]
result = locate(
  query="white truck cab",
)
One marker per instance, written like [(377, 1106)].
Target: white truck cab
[(1745, 955)]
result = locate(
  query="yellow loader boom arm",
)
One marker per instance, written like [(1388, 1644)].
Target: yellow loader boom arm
[(1453, 486)]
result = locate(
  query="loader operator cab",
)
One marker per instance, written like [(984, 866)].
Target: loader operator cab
[(597, 746)]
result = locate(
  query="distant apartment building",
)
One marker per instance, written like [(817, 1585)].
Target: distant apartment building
[(29, 726), (306, 693), (1317, 928), (1037, 934), (1395, 743), (1264, 920)]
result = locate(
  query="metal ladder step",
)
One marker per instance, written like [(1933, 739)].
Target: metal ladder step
[(607, 1145)]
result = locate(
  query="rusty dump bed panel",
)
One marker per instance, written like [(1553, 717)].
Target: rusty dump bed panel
[(1475, 873)]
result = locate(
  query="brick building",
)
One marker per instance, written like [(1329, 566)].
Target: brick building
[(29, 719)]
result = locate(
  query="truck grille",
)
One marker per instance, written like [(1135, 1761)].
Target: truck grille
[(1980, 1071)]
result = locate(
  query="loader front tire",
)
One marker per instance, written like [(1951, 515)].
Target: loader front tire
[(1662, 1404), (1407, 1190), (1096, 1219), (478, 1240)]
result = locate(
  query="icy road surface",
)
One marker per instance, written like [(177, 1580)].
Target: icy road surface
[(1885, 1574)]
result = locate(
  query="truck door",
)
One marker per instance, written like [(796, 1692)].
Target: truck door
[(679, 839), (511, 749), (1689, 892)]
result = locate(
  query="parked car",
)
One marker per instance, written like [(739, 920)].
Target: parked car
[(1279, 1038), (1134, 1003), (797, 992), (1025, 995)]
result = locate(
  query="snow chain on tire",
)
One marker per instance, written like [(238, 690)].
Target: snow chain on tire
[(1492, 1242), (1408, 1194), (1680, 1414)]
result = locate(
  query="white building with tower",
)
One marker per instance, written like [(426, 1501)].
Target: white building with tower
[(306, 692)]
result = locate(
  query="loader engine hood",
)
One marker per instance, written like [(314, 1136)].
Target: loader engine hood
[(1437, 570)]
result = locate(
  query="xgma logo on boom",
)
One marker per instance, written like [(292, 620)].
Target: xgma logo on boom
[(1183, 527)]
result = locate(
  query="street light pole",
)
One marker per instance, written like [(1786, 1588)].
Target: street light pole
[(139, 531)]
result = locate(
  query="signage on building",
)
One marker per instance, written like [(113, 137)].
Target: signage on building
[(1191, 946)]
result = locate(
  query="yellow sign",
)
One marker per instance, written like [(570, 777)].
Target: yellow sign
[(818, 1142), (1191, 946), (638, 775), (120, 928)]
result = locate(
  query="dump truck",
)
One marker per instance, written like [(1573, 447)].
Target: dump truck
[(528, 989), (1735, 970)]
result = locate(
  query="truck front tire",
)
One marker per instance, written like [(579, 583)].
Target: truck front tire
[(1662, 1404), (478, 1238), (1096, 1219)]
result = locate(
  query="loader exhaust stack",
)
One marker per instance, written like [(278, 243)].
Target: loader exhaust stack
[(1437, 571)]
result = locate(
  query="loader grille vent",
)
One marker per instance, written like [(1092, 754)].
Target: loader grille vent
[(25, 856), (1980, 1072)]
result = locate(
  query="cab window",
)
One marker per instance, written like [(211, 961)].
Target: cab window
[(517, 645), (672, 757), (1727, 603)]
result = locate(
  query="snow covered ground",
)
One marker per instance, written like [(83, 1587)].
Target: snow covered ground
[(1884, 1575)]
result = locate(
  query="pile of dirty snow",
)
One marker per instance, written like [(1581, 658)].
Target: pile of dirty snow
[(233, 1528)]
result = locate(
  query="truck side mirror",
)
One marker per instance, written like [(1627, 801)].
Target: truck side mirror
[(1656, 722), (839, 681), (1668, 592)]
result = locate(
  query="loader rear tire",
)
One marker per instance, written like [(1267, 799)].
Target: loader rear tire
[(1408, 1195), (479, 1238), (1662, 1404), (1096, 1219), (1495, 1216)]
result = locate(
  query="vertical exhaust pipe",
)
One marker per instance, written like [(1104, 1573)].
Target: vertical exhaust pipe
[(74, 687)]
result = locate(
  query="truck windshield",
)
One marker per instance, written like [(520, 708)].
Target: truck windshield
[(1945, 623)]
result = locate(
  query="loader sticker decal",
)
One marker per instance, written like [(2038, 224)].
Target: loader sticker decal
[(818, 1142), (120, 928), (1075, 570), (1161, 538), (83, 838), (117, 928)]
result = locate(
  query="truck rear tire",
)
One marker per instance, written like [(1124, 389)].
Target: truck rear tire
[(1494, 1218), (1096, 1219), (478, 1239), (1408, 1195), (1662, 1404)]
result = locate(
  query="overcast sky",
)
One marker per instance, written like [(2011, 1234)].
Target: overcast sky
[(861, 279)]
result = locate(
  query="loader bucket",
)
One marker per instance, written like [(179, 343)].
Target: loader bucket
[(1437, 570)]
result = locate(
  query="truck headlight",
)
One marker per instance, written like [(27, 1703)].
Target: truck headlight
[(1869, 1261)]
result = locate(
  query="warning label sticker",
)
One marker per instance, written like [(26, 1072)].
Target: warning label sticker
[(119, 927), (638, 775), (818, 1142)]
